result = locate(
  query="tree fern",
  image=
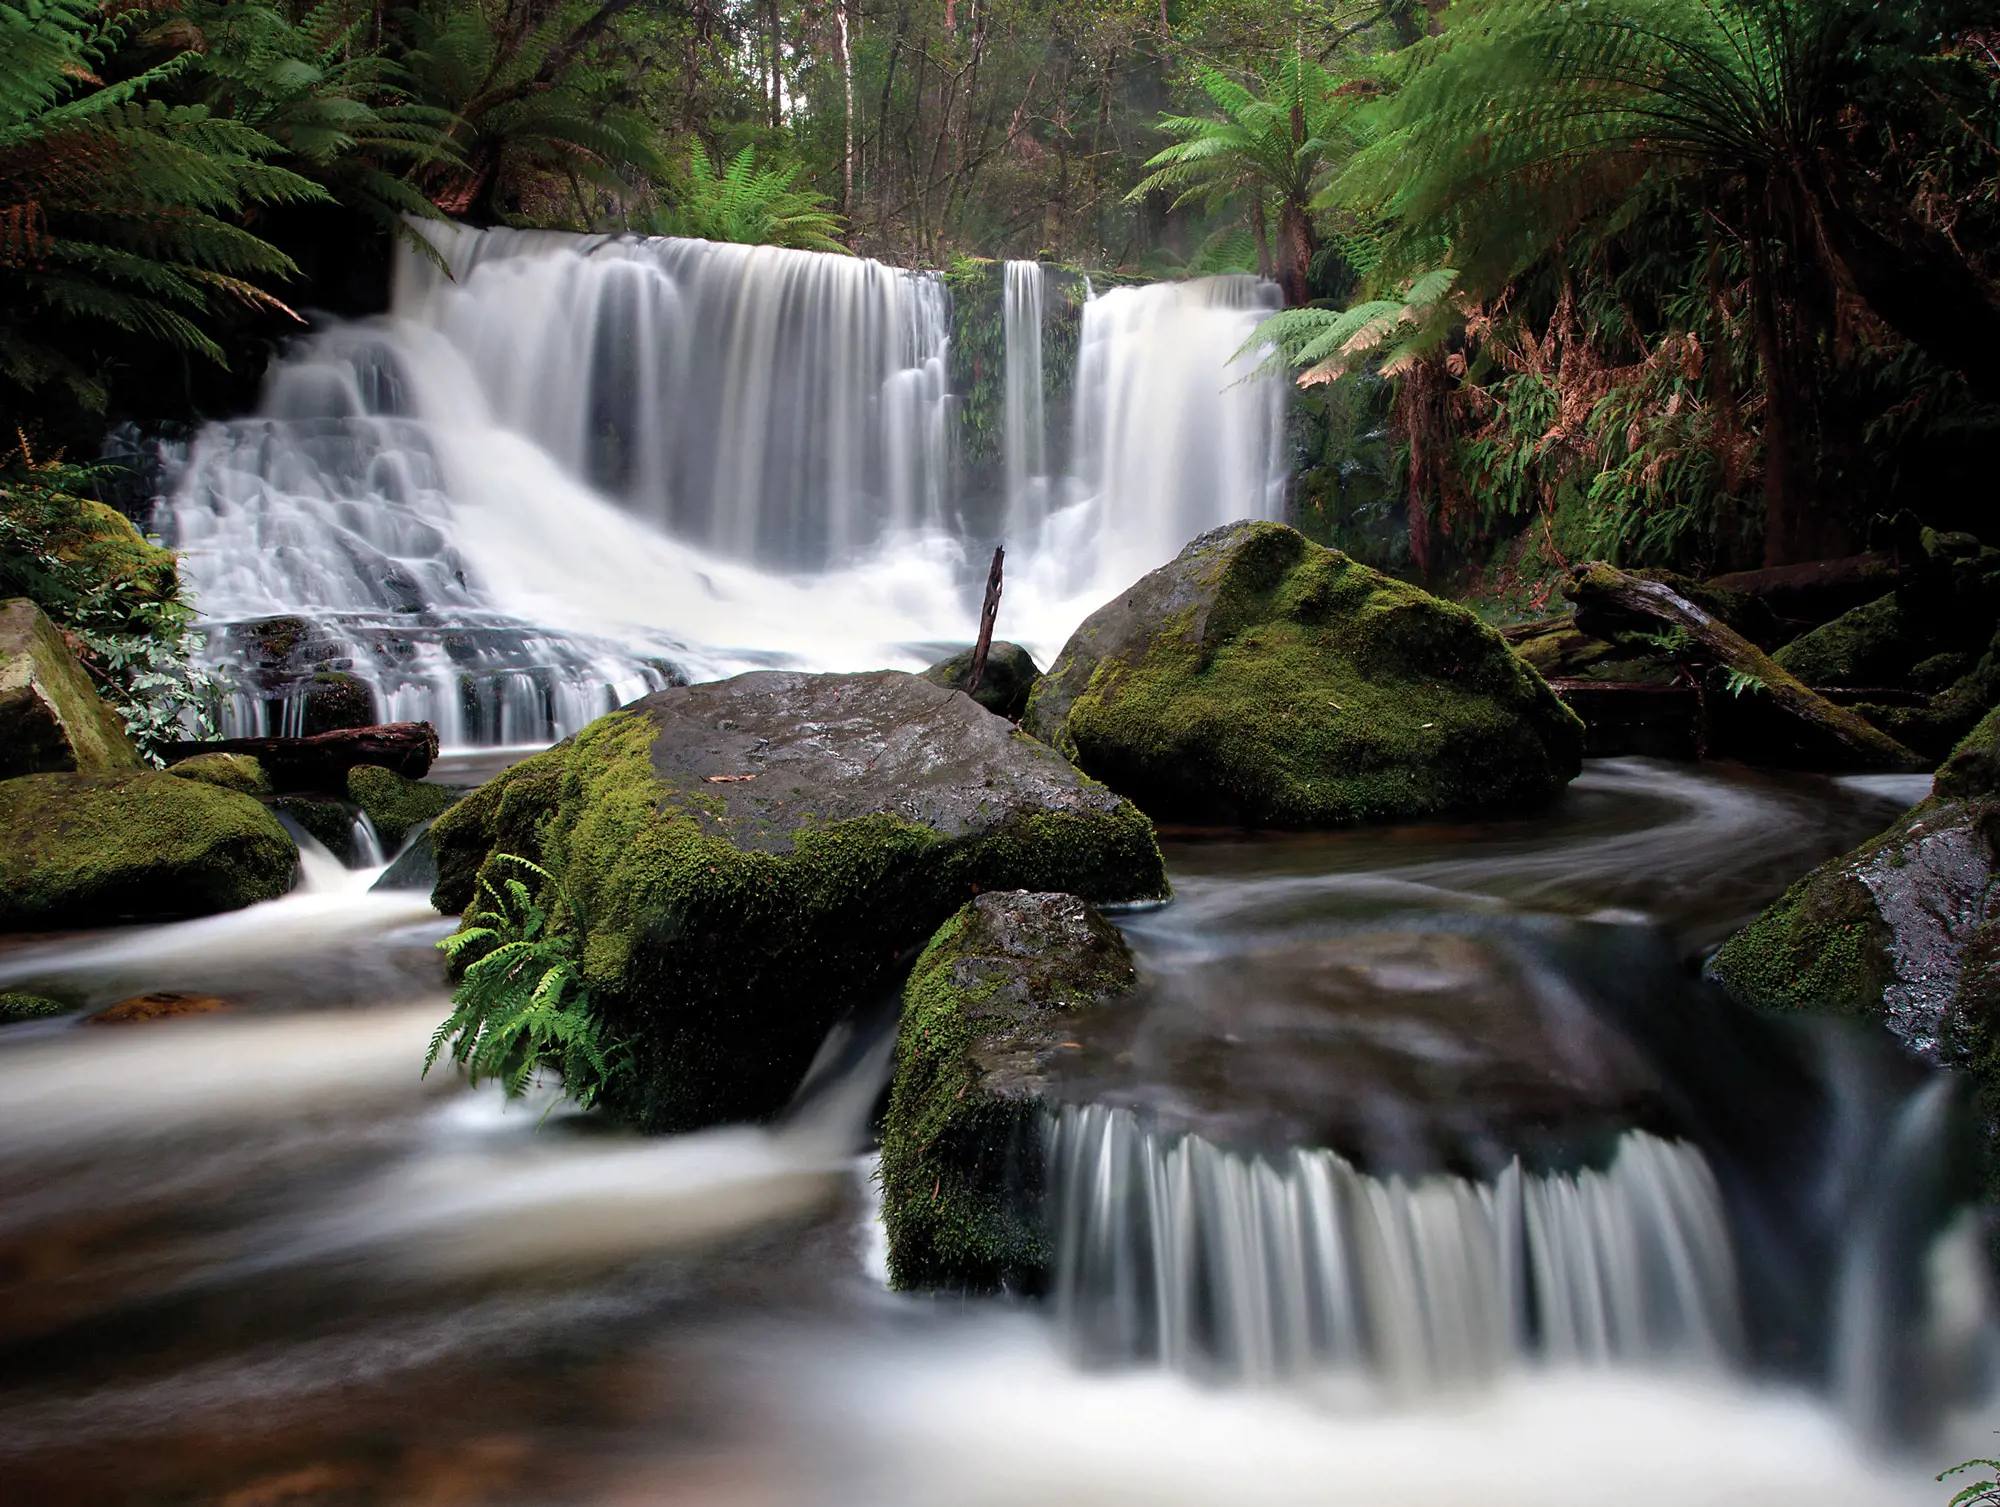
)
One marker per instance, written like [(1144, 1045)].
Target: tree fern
[(522, 1003)]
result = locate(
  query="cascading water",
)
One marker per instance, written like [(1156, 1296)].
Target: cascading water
[(1257, 1268), (1025, 430), (578, 466)]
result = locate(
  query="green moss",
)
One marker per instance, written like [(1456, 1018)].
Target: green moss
[(84, 850), (15, 1008), (228, 771), (1820, 948), (1874, 644), (1005, 683), (1297, 688), (395, 804), (51, 716), (724, 967), (335, 700)]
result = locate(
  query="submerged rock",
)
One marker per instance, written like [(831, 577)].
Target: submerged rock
[(1004, 685), (415, 868), (162, 1004), (1260, 678), (86, 850), (15, 1008), (51, 717), (752, 854), (986, 1017), (395, 805)]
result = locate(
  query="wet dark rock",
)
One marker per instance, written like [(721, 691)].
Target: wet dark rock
[(415, 868), (328, 821), (989, 1014), (164, 1004), (336, 701), (1260, 678), (752, 855), (51, 717), (1004, 685), (88, 850)]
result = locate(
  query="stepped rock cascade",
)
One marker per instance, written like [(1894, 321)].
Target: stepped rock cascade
[(1025, 430), (575, 468), (1260, 1268)]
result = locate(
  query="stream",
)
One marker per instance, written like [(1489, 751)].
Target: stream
[(254, 1257)]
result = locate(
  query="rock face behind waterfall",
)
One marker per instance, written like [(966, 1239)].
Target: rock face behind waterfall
[(986, 1014), (754, 854), (1261, 678), (1905, 930), (85, 850)]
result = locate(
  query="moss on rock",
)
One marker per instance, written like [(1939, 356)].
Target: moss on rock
[(397, 805), (335, 700), (754, 853), (1261, 678), (1004, 685), (985, 1014), (327, 821), (51, 717), (1875, 644), (86, 850), (15, 1008), (228, 771)]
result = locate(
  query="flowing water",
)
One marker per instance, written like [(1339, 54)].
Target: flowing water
[(577, 468), (1420, 1167)]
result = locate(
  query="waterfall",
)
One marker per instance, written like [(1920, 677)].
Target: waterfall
[(571, 469), (1175, 431), (1024, 433), (1263, 1267)]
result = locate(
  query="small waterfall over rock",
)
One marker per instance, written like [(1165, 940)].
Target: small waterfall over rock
[(578, 467), (1265, 1267), (1025, 430)]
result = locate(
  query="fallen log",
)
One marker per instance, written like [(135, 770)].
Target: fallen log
[(1830, 734), (321, 762), (1820, 590), (1622, 717)]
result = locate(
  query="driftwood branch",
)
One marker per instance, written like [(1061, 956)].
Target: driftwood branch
[(1607, 598), (321, 762), (989, 612)]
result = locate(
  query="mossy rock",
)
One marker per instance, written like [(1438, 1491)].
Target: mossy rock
[(1260, 678), (228, 771), (88, 850), (1879, 934), (327, 821), (986, 1016), (51, 717), (1004, 685), (754, 854), (15, 1008), (396, 805), (335, 700), (1875, 644)]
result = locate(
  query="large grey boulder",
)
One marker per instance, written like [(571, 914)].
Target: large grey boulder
[(753, 855), (51, 717), (1260, 678)]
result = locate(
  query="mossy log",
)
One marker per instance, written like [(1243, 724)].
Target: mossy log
[(322, 761), (1610, 600)]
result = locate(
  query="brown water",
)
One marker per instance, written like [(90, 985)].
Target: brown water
[(253, 1258)]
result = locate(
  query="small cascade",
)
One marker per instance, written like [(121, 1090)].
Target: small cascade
[(1258, 1268), (1024, 438)]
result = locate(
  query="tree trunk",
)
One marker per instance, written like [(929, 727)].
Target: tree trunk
[(321, 762), (1607, 599), (1296, 245)]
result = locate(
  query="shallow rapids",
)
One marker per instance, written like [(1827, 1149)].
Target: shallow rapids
[(254, 1256)]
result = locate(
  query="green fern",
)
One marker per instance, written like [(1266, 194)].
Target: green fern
[(750, 206), (522, 1003), (1979, 1493)]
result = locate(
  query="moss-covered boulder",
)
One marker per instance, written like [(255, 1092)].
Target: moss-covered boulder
[(1004, 684), (87, 850), (395, 805), (1261, 678), (336, 700), (753, 854), (1872, 645), (327, 821), (15, 1007), (987, 1015), (51, 717), (228, 771), (1880, 933)]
